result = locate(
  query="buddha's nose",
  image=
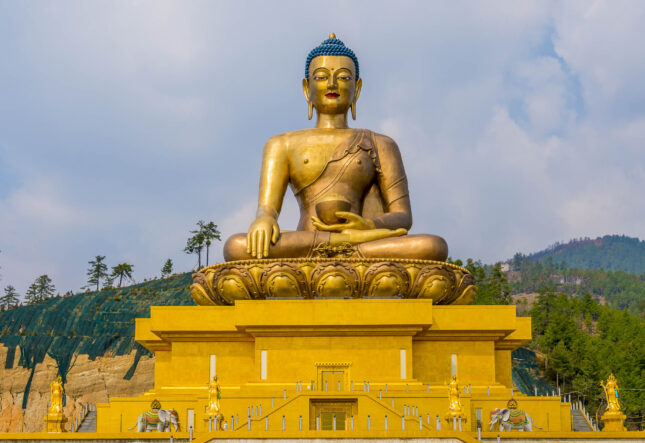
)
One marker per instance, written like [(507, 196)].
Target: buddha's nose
[(331, 83)]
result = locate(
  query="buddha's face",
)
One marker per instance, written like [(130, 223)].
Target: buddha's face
[(332, 85)]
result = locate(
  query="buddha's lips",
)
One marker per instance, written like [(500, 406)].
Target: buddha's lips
[(332, 94)]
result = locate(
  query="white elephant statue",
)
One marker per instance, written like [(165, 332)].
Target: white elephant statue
[(511, 420), (159, 420)]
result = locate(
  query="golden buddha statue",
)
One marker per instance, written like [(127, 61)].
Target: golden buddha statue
[(613, 418), (55, 419), (56, 393), (611, 393), (213, 411), (453, 396), (455, 408), (350, 184), (214, 396), (352, 239)]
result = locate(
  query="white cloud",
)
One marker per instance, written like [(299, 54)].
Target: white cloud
[(122, 124)]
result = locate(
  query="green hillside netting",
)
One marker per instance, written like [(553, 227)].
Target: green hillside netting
[(526, 373), (93, 323)]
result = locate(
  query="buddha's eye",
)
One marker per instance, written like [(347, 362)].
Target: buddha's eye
[(320, 77), (344, 77)]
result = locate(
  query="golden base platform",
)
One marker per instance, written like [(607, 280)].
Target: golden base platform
[(55, 422), (613, 421), (373, 366), (224, 283)]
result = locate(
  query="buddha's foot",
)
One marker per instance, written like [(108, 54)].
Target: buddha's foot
[(306, 278)]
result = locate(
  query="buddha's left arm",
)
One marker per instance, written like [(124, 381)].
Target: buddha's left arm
[(393, 184)]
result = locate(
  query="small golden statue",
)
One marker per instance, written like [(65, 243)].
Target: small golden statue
[(455, 409), (352, 238), (613, 418), (213, 411), (55, 419)]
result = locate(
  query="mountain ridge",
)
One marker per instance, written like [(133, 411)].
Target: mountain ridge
[(609, 253)]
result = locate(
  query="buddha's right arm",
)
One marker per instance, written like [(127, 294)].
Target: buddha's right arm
[(274, 179)]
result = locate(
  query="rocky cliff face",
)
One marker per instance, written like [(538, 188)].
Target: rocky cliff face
[(88, 381)]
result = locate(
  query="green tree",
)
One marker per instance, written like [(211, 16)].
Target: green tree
[(210, 232), (492, 285), (10, 297), (121, 271), (195, 245), (97, 271), (167, 268), (40, 289), (498, 287)]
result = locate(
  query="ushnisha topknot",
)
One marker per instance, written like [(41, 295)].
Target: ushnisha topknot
[(331, 46)]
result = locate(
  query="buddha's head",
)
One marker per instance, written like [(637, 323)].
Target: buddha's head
[(332, 83)]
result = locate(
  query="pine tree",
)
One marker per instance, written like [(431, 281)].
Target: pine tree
[(10, 297), (122, 270), (97, 271), (40, 289), (167, 268), (194, 245), (210, 232)]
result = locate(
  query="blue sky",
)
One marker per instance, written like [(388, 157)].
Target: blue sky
[(123, 123)]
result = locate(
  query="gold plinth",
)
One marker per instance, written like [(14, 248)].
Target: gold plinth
[(55, 422), (613, 421), (224, 283)]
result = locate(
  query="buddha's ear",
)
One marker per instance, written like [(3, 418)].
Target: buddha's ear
[(359, 85), (357, 93), (310, 106)]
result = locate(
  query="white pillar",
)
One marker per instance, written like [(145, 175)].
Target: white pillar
[(454, 364), (212, 368), (403, 361), (191, 418)]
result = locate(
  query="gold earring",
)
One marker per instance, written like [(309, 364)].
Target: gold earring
[(353, 106), (311, 109)]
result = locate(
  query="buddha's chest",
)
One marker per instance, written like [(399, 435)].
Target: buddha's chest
[(308, 162)]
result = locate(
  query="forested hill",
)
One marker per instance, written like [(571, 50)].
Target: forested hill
[(579, 340), (610, 253)]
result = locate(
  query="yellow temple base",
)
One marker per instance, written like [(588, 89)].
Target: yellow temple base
[(55, 422), (613, 421), (364, 365)]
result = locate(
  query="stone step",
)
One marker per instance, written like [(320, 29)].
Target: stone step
[(89, 423), (579, 422)]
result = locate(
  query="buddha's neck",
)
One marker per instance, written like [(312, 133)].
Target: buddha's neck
[(332, 121)]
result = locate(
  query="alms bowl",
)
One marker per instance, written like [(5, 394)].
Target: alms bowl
[(326, 210)]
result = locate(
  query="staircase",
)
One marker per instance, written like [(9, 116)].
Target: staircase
[(579, 421), (89, 422)]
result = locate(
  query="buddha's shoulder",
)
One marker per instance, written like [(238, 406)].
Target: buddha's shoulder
[(301, 134), (384, 142)]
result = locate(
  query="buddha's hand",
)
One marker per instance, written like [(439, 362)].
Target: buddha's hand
[(352, 221), (263, 230), (357, 236)]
